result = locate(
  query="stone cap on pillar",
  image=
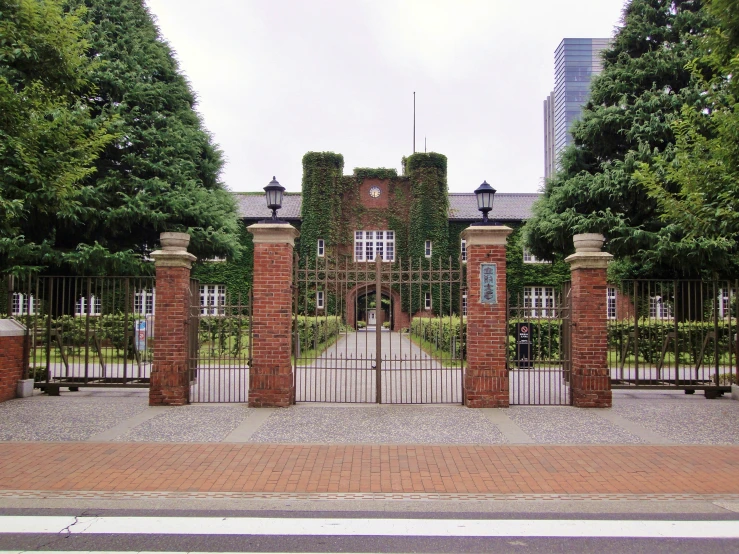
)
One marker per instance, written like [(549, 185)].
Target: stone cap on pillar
[(588, 252), (274, 233), (11, 328), (174, 251), (486, 235)]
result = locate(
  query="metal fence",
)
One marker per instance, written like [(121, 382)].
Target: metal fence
[(379, 332), (220, 344), (539, 354), (86, 331), (673, 334)]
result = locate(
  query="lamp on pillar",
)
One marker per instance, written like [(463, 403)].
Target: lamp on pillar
[(485, 195), (273, 193)]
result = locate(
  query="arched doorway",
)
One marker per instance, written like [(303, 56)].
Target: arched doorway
[(361, 300)]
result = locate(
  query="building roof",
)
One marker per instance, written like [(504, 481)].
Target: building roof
[(462, 206)]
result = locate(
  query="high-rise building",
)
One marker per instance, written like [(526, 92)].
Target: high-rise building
[(576, 60)]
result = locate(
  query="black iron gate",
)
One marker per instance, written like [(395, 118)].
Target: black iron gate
[(539, 346), (220, 344), (379, 332), (86, 331)]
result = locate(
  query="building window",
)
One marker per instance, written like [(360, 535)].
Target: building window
[(464, 304), (427, 301), (368, 244), (538, 301), (464, 251), (659, 308), (319, 300), (81, 307), (611, 303), (321, 251), (529, 258), (427, 249), (143, 302), (23, 304), (212, 299)]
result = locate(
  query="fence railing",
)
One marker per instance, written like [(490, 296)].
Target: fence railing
[(678, 333), (86, 331)]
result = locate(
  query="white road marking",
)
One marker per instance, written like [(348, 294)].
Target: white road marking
[(370, 527)]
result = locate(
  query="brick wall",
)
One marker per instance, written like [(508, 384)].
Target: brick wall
[(170, 385), (11, 365), (270, 376), (486, 376), (591, 386)]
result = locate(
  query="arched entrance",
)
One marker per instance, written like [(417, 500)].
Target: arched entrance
[(361, 300)]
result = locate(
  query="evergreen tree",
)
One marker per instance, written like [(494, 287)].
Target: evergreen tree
[(49, 137), (162, 172), (628, 118)]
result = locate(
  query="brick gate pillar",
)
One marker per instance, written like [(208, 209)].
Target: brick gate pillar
[(591, 382), (271, 381), (486, 376), (170, 378), (12, 359)]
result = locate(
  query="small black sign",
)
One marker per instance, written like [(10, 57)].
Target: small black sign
[(523, 346)]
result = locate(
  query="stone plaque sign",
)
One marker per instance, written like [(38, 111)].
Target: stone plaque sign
[(488, 284)]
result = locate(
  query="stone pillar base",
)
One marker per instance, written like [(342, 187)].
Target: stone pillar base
[(169, 386), (24, 389), (271, 388)]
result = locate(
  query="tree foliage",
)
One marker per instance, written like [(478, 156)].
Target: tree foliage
[(49, 136), (697, 185), (628, 118)]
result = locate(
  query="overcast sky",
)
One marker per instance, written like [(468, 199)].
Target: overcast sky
[(278, 78)]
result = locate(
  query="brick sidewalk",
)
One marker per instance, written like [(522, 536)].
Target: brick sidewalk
[(382, 469)]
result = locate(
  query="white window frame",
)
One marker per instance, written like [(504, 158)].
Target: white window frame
[(463, 250), (658, 309), (540, 300), (144, 302), (427, 301), (212, 300), (611, 302), (529, 258), (320, 300), (23, 304), (321, 248), (726, 297), (369, 243), (80, 307), (428, 248)]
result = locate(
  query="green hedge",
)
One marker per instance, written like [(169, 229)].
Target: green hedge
[(439, 332), (313, 331), (690, 337)]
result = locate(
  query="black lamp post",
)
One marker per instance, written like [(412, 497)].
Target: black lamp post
[(485, 195), (274, 192)]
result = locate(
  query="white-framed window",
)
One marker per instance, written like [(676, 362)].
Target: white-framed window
[(463, 248), (23, 304), (611, 303), (659, 308), (539, 301), (143, 302), (727, 298), (212, 299), (95, 306), (428, 248), (464, 304), (319, 300), (529, 258), (427, 301), (321, 248), (368, 244)]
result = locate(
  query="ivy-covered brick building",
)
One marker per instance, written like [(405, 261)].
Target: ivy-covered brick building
[(376, 212)]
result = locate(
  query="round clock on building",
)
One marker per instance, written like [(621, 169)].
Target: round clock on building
[(375, 192)]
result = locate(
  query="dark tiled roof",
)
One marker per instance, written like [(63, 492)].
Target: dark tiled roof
[(506, 207), (462, 206), (253, 206)]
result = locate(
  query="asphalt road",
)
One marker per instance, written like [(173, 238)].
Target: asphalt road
[(649, 527)]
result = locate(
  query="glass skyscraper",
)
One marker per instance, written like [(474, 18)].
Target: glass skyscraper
[(576, 60)]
